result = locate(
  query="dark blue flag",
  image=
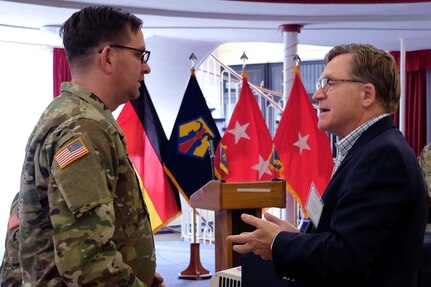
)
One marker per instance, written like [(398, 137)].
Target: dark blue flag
[(187, 160)]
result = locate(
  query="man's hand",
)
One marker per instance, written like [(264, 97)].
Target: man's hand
[(283, 224), (259, 241)]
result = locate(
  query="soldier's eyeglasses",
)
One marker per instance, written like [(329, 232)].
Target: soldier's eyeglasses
[(143, 54)]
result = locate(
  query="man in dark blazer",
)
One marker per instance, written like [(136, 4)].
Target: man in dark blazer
[(367, 229)]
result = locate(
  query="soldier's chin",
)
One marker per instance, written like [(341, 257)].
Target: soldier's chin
[(135, 96)]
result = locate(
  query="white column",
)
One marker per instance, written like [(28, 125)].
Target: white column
[(290, 38), (290, 50)]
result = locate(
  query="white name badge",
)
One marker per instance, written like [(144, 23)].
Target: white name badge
[(314, 205)]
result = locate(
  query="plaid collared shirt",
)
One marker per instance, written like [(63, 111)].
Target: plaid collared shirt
[(345, 144)]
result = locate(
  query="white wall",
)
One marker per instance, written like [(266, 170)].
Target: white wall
[(25, 90)]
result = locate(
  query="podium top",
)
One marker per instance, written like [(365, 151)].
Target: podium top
[(216, 195)]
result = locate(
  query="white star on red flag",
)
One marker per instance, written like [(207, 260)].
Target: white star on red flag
[(239, 131), (302, 143), (262, 167)]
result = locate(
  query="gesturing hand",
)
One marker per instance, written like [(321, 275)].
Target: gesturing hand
[(259, 241)]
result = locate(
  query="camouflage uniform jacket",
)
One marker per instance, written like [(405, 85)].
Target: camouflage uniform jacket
[(425, 163), (10, 269), (83, 219)]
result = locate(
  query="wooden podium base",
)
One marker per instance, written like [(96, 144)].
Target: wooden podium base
[(195, 270)]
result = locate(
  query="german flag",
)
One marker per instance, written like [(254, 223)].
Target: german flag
[(145, 142)]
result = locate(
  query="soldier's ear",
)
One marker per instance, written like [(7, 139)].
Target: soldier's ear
[(105, 59)]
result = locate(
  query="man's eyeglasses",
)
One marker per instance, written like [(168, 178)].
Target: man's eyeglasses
[(144, 55), (325, 83)]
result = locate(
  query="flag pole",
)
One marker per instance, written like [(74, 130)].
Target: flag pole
[(195, 270)]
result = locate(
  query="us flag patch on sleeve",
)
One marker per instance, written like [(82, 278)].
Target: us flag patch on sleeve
[(13, 221), (71, 152)]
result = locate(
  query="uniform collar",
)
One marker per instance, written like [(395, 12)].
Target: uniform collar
[(91, 99)]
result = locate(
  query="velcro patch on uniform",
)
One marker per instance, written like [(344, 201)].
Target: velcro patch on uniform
[(71, 152), (13, 221)]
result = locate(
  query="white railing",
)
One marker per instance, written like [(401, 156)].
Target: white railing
[(204, 222)]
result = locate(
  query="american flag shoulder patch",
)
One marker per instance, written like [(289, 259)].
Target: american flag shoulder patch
[(13, 221), (71, 152)]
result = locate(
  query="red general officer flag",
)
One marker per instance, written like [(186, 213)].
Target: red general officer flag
[(246, 144), (304, 150), (145, 142)]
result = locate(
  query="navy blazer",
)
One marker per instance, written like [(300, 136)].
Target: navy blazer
[(373, 220)]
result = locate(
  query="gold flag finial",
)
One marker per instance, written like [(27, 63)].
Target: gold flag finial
[(297, 61), (244, 74)]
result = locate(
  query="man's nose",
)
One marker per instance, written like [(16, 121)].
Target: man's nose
[(318, 94), (146, 69)]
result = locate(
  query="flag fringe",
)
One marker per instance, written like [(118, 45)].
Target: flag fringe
[(297, 199), (175, 182)]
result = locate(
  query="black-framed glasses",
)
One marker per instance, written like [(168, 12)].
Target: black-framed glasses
[(324, 83), (144, 55)]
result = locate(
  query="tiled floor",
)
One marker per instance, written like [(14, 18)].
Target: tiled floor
[(173, 257)]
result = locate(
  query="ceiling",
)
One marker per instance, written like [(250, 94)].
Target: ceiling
[(383, 25)]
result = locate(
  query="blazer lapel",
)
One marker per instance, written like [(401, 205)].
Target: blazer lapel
[(374, 130)]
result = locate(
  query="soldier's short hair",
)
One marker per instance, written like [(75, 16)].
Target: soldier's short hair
[(92, 26)]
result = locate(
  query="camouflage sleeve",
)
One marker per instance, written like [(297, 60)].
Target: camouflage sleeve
[(425, 163), (82, 209), (10, 268)]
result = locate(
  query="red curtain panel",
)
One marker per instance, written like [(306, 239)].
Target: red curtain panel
[(61, 71), (417, 64)]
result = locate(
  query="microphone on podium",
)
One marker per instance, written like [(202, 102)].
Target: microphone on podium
[(211, 147), (211, 154)]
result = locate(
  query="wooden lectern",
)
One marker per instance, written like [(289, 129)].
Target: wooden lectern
[(229, 201)]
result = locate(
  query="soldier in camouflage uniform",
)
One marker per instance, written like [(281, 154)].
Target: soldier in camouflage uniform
[(10, 269), (83, 218), (425, 163)]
